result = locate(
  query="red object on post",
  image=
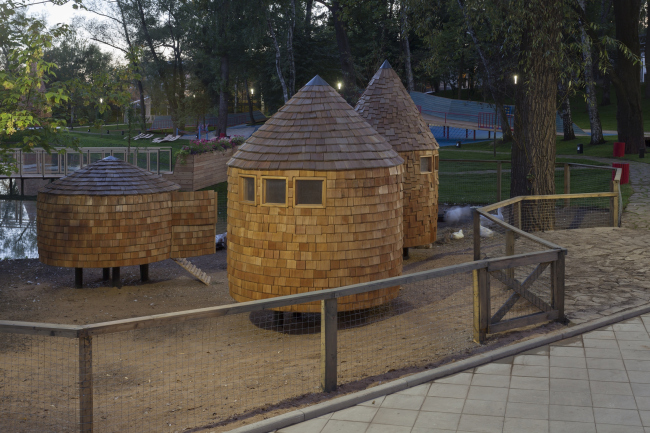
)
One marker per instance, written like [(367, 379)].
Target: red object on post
[(223, 134), (625, 175), (619, 149)]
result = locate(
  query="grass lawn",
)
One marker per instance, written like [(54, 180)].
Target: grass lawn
[(480, 188), (96, 140), (567, 148)]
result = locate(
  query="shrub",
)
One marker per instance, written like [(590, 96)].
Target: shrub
[(197, 147)]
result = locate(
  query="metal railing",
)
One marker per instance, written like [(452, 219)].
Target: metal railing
[(61, 161)]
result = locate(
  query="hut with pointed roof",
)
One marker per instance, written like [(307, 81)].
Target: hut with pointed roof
[(110, 214), (388, 107), (314, 202)]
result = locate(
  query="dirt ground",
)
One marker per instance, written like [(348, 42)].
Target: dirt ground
[(212, 375)]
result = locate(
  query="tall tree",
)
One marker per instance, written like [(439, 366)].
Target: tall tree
[(26, 96), (647, 50), (115, 29), (410, 86), (590, 85), (345, 53), (533, 150), (626, 75)]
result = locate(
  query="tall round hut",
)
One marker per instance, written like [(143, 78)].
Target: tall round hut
[(314, 202), (111, 214), (388, 107)]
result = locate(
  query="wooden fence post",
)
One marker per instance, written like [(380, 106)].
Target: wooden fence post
[(85, 384), (518, 215), (510, 250), (328, 345), (499, 181), (614, 203), (481, 304), (557, 281), (477, 235), (567, 183)]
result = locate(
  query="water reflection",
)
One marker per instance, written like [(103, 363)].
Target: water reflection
[(17, 227)]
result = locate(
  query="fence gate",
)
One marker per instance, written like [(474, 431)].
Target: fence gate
[(486, 322)]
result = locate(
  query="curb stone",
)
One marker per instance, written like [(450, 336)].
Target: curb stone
[(311, 412)]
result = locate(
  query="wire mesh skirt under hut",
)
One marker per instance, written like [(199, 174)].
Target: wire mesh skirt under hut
[(355, 237)]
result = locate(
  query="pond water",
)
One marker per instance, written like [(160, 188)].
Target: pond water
[(17, 227)]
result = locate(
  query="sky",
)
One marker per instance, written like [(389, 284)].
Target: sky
[(57, 14), (64, 14)]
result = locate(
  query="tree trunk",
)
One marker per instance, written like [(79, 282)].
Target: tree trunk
[(407, 50), (647, 51), (278, 67), (250, 101), (308, 8), (626, 77), (143, 107), (345, 54), (222, 121), (607, 85), (460, 78), (506, 131), (292, 63), (590, 87), (236, 101), (565, 114), (533, 150)]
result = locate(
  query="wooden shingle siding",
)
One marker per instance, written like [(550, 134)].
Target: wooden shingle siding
[(84, 223), (202, 170), (388, 107), (193, 223), (284, 250), (354, 236)]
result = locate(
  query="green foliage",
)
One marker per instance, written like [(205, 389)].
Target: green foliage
[(27, 98)]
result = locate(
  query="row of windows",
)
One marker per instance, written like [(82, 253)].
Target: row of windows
[(308, 192)]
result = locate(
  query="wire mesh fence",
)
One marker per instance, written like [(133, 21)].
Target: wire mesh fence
[(479, 182), (38, 383), (198, 369)]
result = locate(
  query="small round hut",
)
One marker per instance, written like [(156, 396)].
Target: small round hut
[(105, 215), (314, 202), (388, 107)]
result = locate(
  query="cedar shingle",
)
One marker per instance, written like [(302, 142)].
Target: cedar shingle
[(314, 121), (109, 176)]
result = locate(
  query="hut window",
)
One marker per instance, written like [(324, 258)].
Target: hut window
[(275, 191), (426, 164), (436, 164), (248, 189), (309, 192)]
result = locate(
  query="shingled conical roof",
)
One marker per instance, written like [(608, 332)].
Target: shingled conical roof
[(110, 176), (388, 107), (315, 130)]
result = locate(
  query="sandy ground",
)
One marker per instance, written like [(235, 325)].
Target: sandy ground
[(212, 375)]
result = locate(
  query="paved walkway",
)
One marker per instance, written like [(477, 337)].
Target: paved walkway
[(598, 382)]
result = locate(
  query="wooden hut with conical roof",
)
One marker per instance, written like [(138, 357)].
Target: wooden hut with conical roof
[(388, 107), (111, 214), (314, 202)]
